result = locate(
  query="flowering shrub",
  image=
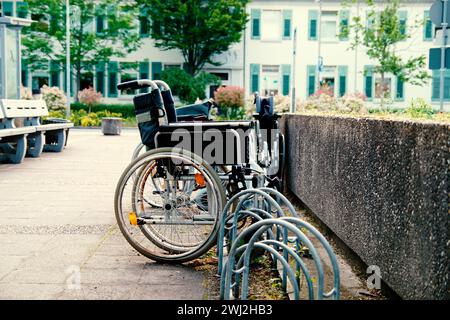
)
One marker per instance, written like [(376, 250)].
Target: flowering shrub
[(90, 119), (325, 103), (54, 98), (419, 108), (89, 97), (231, 101), (25, 93)]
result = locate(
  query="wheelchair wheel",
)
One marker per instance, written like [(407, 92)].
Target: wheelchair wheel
[(168, 205)]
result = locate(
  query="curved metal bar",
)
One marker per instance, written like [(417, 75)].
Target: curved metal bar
[(284, 200), (221, 235), (162, 84), (303, 224), (256, 230), (136, 151)]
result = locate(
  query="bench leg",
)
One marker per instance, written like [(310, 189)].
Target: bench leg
[(14, 152), (35, 144), (55, 141)]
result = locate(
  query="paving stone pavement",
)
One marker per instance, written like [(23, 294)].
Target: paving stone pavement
[(57, 226)]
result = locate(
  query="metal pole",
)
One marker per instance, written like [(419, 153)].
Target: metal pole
[(443, 51), (320, 46), (294, 59), (68, 69), (356, 55)]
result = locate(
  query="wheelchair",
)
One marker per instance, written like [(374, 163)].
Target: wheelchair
[(170, 199)]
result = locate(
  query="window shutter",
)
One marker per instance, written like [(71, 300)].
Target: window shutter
[(156, 70), (428, 27), (403, 17), (8, 8), (254, 78), (400, 92), (343, 75), (344, 17), (256, 24), (368, 82), (447, 86), (311, 80), (113, 69), (286, 80), (144, 72), (313, 18), (287, 24), (100, 77)]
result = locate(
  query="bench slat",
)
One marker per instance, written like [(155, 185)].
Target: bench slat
[(23, 108), (16, 131), (54, 126)]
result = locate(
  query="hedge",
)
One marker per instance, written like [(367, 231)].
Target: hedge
[(127, 110)]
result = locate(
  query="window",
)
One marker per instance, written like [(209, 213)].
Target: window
[(437, 85), (37, 83), (381, 88), (328, 82), (128, 73), (428, 27), (403, 16), (287, 24), (7, 8), (255, 23), (313, 16), (224, 76), (271, 25), (270, 83), (87, 80), (100, 24), (172, 66), (329, 26), (144, 26)]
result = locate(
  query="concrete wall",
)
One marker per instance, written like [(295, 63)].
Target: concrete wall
[(383, 187)]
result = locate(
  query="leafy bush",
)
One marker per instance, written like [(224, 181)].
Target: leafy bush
[(89, 97), (187, 87), (92, 119), (419, 108), (127, 110), (54, 98), (231, 102)]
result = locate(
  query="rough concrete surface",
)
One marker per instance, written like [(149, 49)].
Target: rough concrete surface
[(383, 188), (57, 218)]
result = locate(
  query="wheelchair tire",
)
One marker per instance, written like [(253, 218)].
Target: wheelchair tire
[(166, 252)]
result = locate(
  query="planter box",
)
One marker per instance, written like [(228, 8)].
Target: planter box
[(112, 126)]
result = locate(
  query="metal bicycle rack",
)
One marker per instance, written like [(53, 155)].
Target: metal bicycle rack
[(278, 233)]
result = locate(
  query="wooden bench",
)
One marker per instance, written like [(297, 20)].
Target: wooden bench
[(36, 137)]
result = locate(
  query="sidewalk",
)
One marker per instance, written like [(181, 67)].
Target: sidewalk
[(57, 226)]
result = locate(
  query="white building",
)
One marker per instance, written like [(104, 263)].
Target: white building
[(263, 60)]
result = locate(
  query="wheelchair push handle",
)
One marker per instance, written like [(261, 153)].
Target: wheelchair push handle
[(137, 84)]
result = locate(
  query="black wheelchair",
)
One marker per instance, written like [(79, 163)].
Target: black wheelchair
[(169, 200)]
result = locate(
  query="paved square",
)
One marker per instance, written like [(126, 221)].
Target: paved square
[(57, 218)]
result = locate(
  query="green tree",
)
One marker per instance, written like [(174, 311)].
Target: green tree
[(187, 87), (199, 29), (92, 41), (380, 33)]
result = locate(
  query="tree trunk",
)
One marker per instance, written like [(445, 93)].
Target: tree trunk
[(77, 82), (382, 90)]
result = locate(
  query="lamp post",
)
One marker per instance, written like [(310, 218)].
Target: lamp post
[(443, 50), (68, 70), (294, 58)]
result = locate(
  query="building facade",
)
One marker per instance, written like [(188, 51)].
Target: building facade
[(263, 61)]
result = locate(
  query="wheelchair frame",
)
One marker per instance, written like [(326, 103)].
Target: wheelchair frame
[(260, 166)]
